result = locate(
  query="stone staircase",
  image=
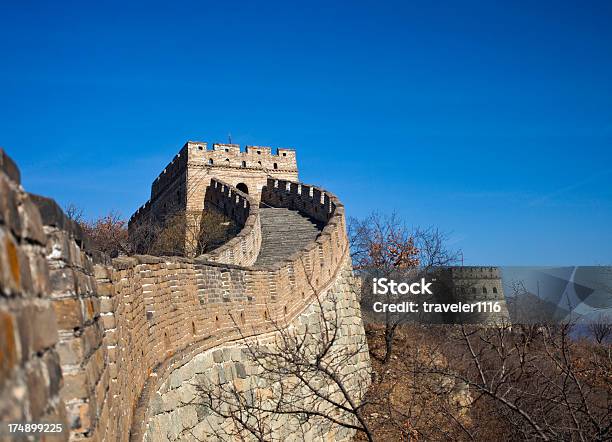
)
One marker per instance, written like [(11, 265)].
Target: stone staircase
[(284, 232)]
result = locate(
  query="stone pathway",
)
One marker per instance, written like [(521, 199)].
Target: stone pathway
[(284, 232)]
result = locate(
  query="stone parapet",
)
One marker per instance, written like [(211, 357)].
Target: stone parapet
[(242, 210), (30, 373)]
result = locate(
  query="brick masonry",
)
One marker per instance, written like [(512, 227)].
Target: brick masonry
[(183, 184), (90, 342), (30, 373), (178, 411)]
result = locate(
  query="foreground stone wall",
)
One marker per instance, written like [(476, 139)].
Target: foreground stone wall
[(75, 299), (30, 374)]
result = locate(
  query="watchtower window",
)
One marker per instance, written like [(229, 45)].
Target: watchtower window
[(494, 289), (259, 152), (200, 147), (275, 166), (284, 154), (484, 290), (243, 188), (227, 150), (474, 290), (210, 161), (244, 164), (259, 162)]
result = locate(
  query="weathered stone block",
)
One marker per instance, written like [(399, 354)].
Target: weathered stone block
[(9, 206), (10, 271), (69, 313), (8, 346), (32, 228), (105, 289), (57, 245), (54, 372), (70, 350), (38, 390), (40, 274), (241, 370), (31, 339), (62, 282), (218, 356), (90, 309), (108, 320), (106, 305), (102, 272), (75, 386), (83, 283)]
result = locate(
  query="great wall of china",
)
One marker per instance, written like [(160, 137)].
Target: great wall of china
[(115, 349)]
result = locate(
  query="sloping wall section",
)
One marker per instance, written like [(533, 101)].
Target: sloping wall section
[(123, 330)]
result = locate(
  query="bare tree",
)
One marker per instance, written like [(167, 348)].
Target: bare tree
[(74, 212), (108, 234), (483, 383), (182, 233), (601, 328), (406, 400), (307, 375), (384, 246), (536, 383)]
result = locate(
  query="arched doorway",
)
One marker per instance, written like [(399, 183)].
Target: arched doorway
[(243, 188)]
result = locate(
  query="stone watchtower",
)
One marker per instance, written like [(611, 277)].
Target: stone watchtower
[(248, 171), (183, 183)]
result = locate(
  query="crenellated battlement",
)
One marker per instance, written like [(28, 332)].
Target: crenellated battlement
[(236, 149), (182, 185), (171, 173), (221, 155), (230, 155), (243, 210), (475, 272)]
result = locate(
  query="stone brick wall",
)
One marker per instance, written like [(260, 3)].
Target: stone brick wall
[(184, 182), (116, 331), (177, 409), (173, 173), (74, 296), (313, 201), (30, 374), (253, 160), (229, 296), (244, 211)]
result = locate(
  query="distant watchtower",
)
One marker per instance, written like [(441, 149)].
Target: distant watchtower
[(182, 184)]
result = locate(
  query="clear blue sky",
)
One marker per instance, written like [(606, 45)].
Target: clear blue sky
[(492, 122)]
